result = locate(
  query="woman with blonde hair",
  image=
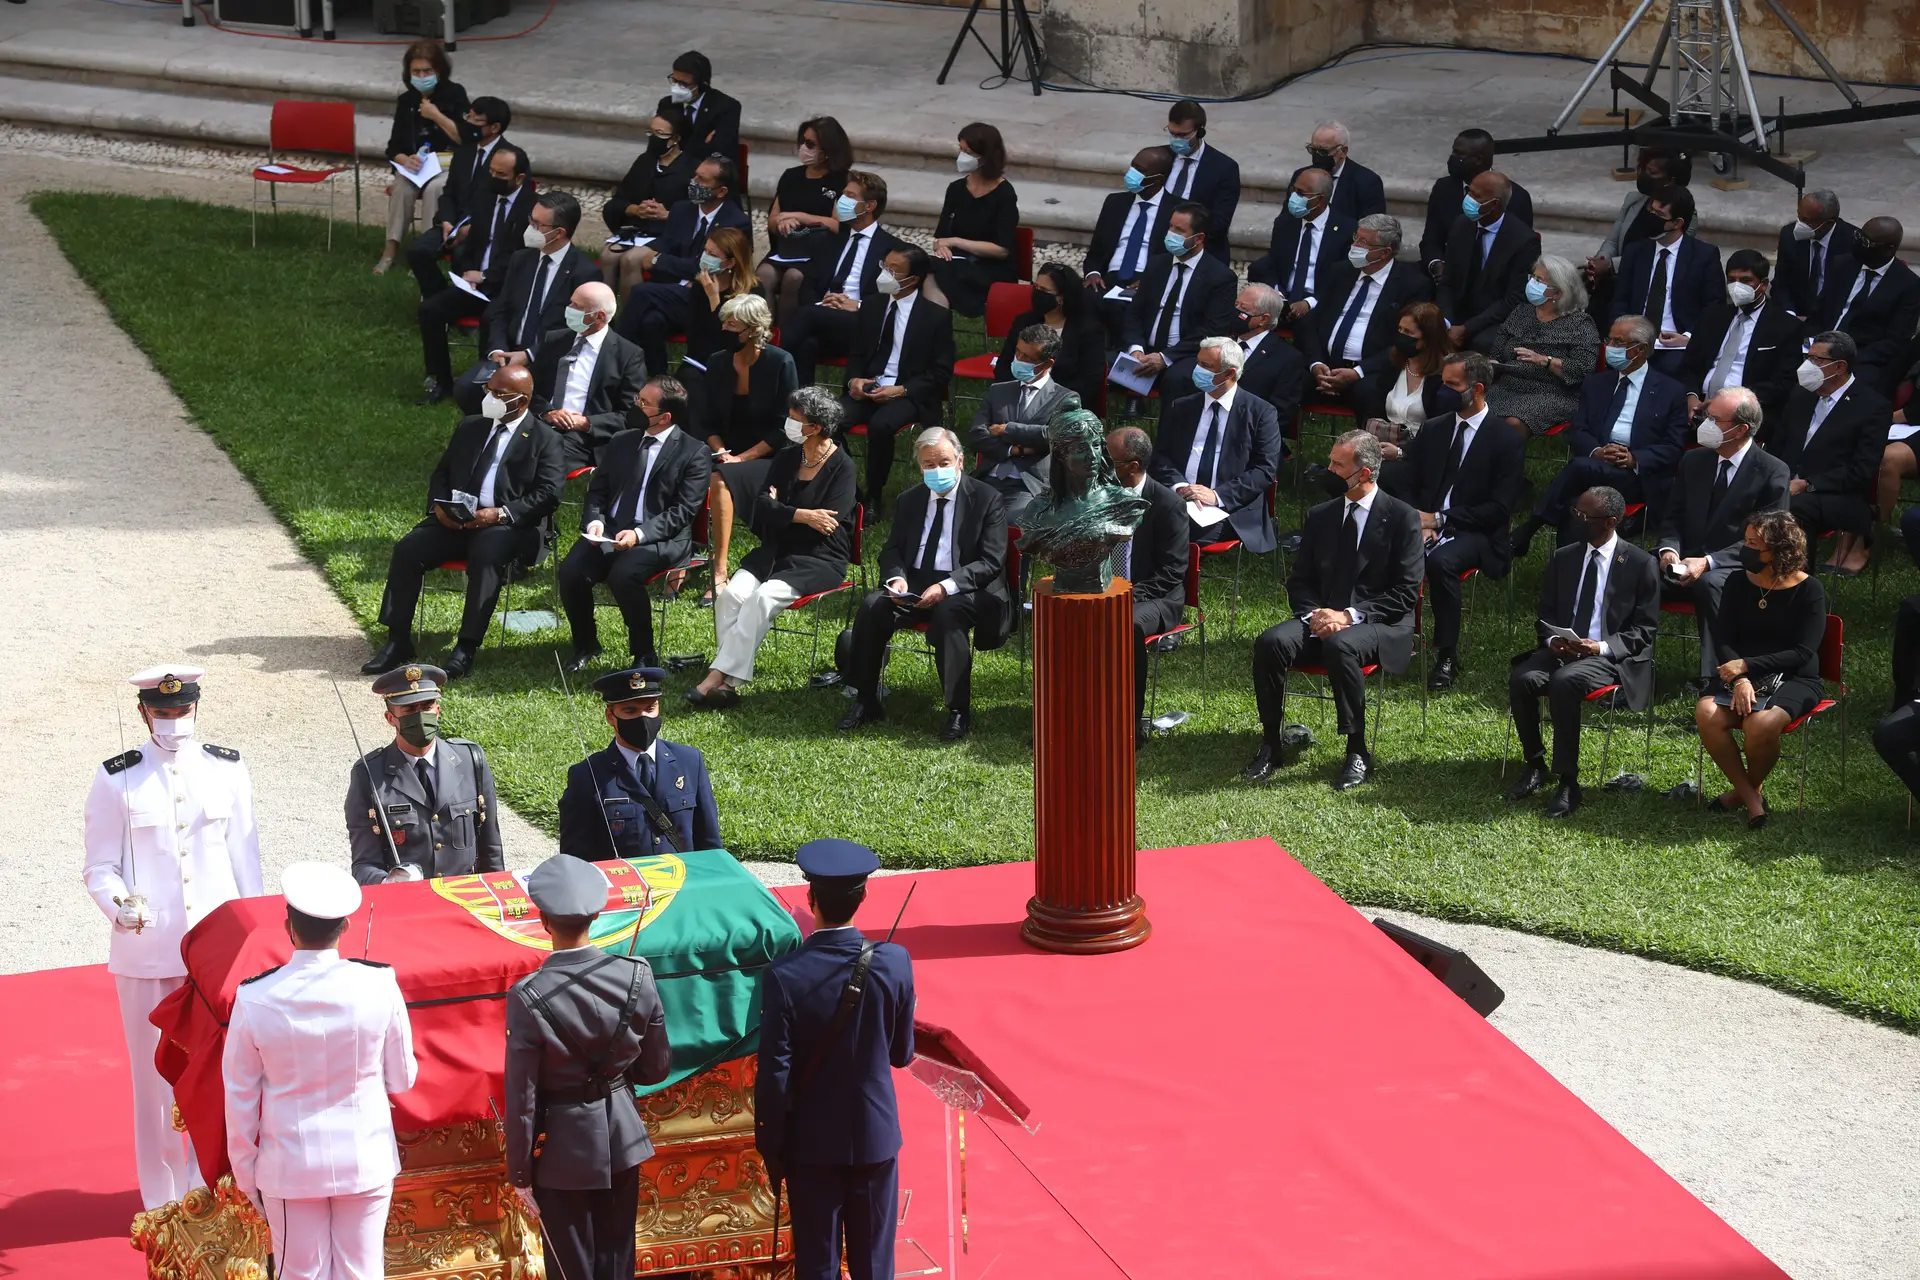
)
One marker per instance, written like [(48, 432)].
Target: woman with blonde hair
[(745, 419)]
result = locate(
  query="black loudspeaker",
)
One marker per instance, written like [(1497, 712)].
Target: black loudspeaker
[(1455, 968)]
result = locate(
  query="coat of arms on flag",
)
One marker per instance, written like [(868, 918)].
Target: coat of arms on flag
[(639, 890)]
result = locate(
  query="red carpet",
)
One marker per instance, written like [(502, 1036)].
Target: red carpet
[(1269, 1087)]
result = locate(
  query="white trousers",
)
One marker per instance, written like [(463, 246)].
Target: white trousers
[(163, 1158), (743, 613), (331, 1238)]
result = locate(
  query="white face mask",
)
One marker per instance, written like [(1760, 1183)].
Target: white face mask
[(796, 431), (533, 237), (966, 162), (680, 93), (578, 320), (170, 735), (493, 407), (807, 154), (1357, 256), (1801, 231), (1710, 435), (1810, 375), (1741, 294), (886, 283)]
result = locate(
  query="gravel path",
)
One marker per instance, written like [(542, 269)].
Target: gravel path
[(1793, 1121)]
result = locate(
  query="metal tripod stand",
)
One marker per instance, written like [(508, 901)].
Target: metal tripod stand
[(1016, 41)]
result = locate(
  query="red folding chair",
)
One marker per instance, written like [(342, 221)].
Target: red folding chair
[(1169, 640), (811, 602), (699, 556), (1376, 671), (1235, 548), (1606, 746), (1005, 303), (325, 128), (1833, 652)]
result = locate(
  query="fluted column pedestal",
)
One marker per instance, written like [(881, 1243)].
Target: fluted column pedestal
[(1084, 898)]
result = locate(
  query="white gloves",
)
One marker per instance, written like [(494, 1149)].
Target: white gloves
[(404, 872), (133, 914), (527, 1202)]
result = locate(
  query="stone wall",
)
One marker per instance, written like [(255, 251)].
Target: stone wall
[(1208, 48)]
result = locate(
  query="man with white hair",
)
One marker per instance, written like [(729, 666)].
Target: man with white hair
[(1357, 190), (1274, 369), (1347, 339), (1219, 450), (943, 568), (586, 376)]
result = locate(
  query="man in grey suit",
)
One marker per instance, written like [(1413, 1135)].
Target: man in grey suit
[(1009, 435), (423, 805), (582, 1030)]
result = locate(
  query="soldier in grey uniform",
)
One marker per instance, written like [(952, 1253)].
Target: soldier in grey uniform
[(582, 1030), (436, 793)]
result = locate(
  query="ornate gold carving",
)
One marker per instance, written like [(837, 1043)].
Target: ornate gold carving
[(212, 1234)]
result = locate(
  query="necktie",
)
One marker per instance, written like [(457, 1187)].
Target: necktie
[(425, 771), (1657, 290), (1867, 280), (1817, 267), (1722, 479), (1736, 342), (929, 554), (1182, 175), (884, 352), (1340, 335), (631, 500), (1136, 241), (644, 772), (480, 157), (1163, 327), (1589, 585), (1619, 404), (1346, 560), (841, 272), (530, 319), (1297, 287), (700, 233), (499, 216), (1455, 452), (1486, 244), (1020, 407), (484, 462), (1123, 560), (1210, 451)]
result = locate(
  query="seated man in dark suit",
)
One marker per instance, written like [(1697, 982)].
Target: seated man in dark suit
[(1746, 339), (1671, 279), (902, 362), (1628, 431), (1184, 297), (1219, 451), (1882, 307), (1607, 591), (945, 565), (1832, 438), (1202, 172), (1357, 190), (1009, 434), (1309, 240), (497, 223), (1154, 559), (1130, 231), (1720, 487), (1465, 482), (1274, 369), (1352, 593), (1814, 259), (586, 375), (1490, 257), (713, 118), (467, 180), (658, 308), (1350, 333), (505, 464), (645, 495), (840, 278), (1472, 156)]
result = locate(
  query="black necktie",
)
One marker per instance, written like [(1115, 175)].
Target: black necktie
[(1867, 281), (1182, 175), (630, 500), (500, 204), (1619, 404), (1589, 586), (700, 233), (484, 462), (884, 352), (425, 771), (1352, 317), (530, 320), (643, 771), (1163, 326), (1454, 453), (1136, 240), (841, 272), (1297, 287), (929, 555), (1657, 290), (1720, 483), (1346, 560), (1814, 258), (1210, 451)]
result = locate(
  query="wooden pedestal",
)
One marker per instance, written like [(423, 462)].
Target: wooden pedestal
[(1084, 898)]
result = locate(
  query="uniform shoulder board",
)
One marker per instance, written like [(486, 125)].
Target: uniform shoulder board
[(221, 753), (371, 964), (125, 760), (256, 977)]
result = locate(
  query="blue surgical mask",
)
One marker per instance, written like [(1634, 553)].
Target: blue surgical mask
[(1536, 291), (1297, 205), (1135, 179), (425, 84), (941, 479), (1470, 207), (710, 264), (1023, 370), (1176, 244), (846, 208), (1180, 146), (1617, 357), (1203, 377)]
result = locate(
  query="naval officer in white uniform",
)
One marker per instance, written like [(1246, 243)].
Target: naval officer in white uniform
[(169, 837), (314, 1046)]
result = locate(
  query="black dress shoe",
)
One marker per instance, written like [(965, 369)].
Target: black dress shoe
[(1565, 801), (1532, 780), (582, 659), (1264, 762), (860, 713), (1354, 772), (1444, 674), (435, 392), (391, 655), (458, 662), (958, 722)]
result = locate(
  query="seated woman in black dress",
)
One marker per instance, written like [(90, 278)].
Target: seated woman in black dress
[(638, 206), (1768, 630), (725, 273), (1060, 302), (974, 239), (746, 419), (801, 221), (429, 116)]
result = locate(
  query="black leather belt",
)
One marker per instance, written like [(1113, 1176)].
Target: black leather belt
[(592, 1091)]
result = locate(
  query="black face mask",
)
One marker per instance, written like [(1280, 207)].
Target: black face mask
[(1462, 169), (1318, 159), (1750, 560), (729, 341), (1043, 302), (1406, 344), (502, 186), (1646, 227), (637, 732), (637, 419), (1447, 400), (1870, 255), (1335, 484), (1598, 531), (1647, 184)]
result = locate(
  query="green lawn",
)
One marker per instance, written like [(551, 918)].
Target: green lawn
[(303, 367)]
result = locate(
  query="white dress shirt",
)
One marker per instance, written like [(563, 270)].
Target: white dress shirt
[(1731, 364), (1318, 242), (902, 305), (1147, 207), (1485, 236), (1733, 473), (1598, 627), (1362, 508), (313, 1049), (1822, 406), (502, 436), (1176, 280), (943, 554), (1030, 394), (651, 456), (1472, 426), (497, 222), (1357, 336), (1620, 430), (1225, 401), (1185, 169), (858, 243), (537, 299), (1864, 282), (573, 397)]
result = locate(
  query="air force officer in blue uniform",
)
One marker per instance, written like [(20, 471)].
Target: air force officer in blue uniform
[(638, 762), (835, 1017)]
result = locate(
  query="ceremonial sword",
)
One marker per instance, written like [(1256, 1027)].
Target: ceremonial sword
[(373, 794), (546, 1241), (135, 897)]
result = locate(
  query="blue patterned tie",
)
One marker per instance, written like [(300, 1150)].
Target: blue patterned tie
[(1347, 321)]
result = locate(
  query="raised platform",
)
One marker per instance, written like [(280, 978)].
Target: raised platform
[(1268, 1087)]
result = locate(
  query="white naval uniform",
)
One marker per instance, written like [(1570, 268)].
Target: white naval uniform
[(313, 1049), (187, 816)]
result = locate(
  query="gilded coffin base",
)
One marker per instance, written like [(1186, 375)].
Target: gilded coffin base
[(705, 1206)]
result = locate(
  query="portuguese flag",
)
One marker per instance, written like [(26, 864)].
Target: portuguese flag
[(706, 925)]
